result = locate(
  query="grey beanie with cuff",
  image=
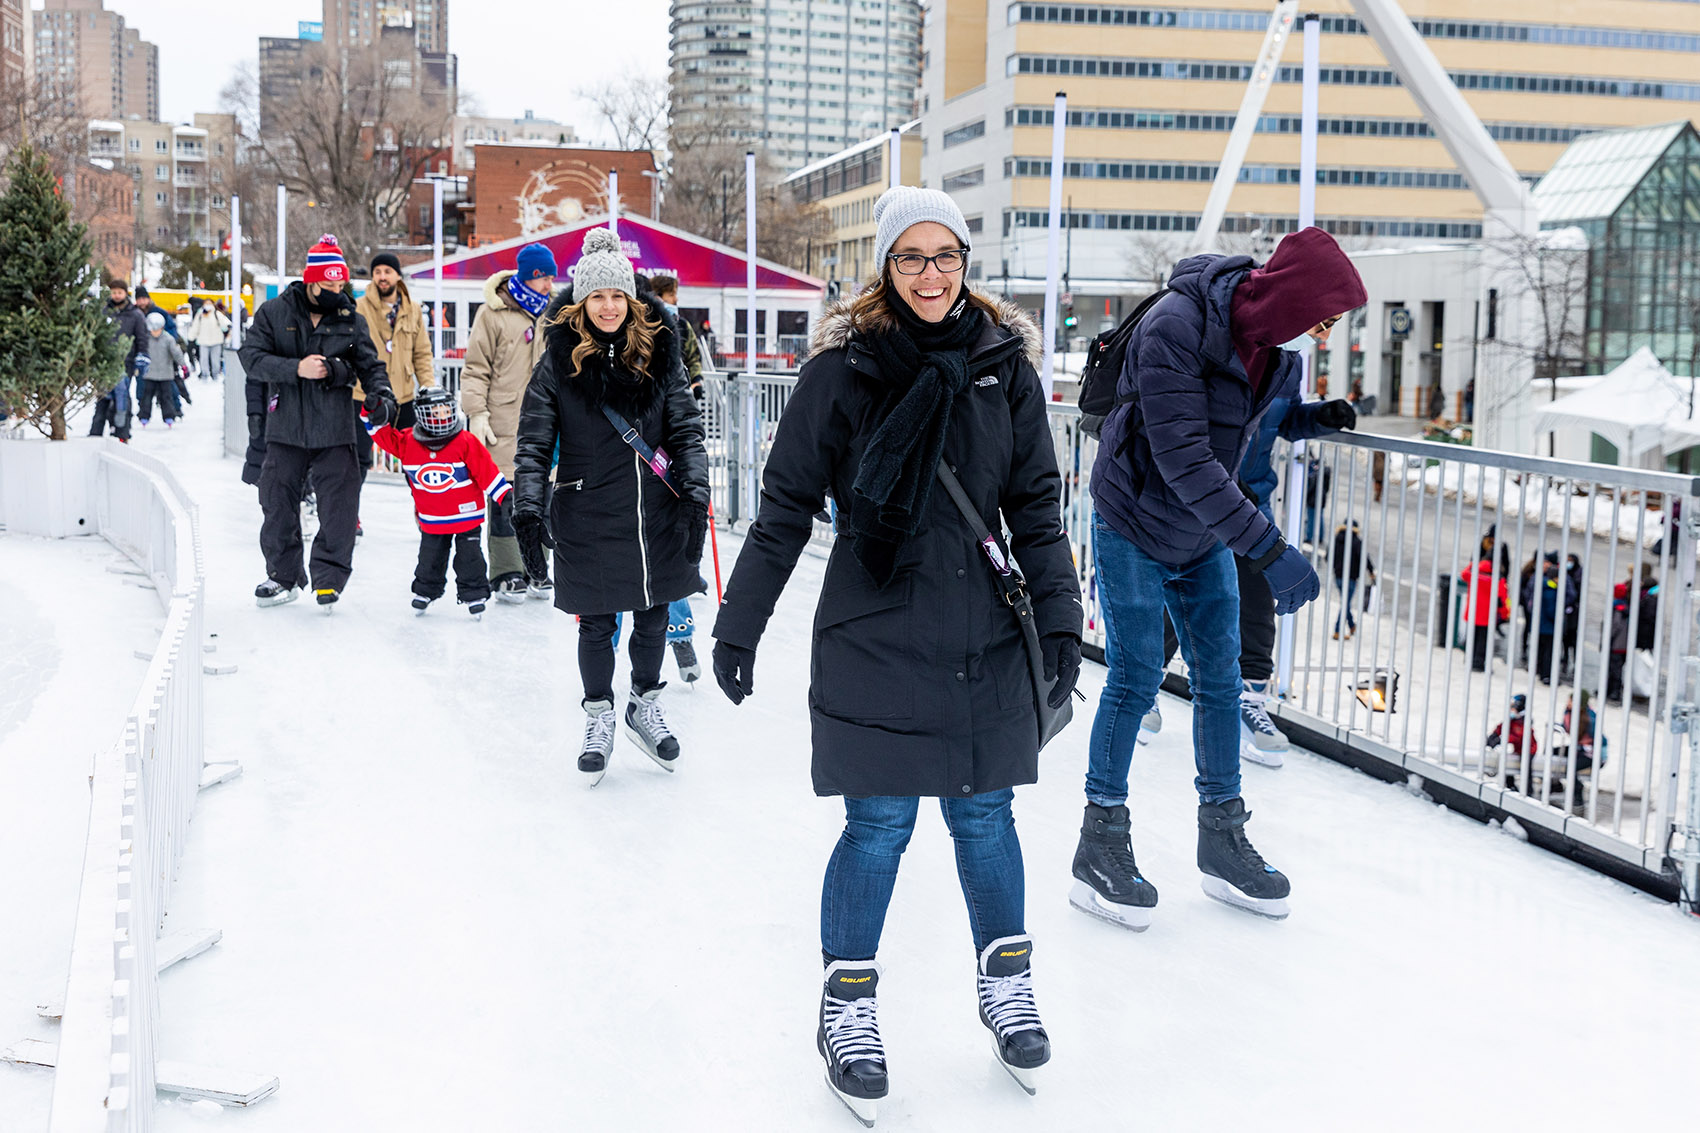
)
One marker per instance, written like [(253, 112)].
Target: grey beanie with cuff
[(601, 264), (903, 206)]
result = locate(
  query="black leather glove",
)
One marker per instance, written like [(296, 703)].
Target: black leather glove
[(533, 535), (1493, 740), (694, 520), (256, 428), (1061, 653), (377, 409), (1337, 414), (734, 670)]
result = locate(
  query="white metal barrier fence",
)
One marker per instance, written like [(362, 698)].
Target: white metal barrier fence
[(1617, 778), (142, 795)]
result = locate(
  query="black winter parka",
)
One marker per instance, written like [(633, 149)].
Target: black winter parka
[(920, 687), (620, 534), (311, 412)]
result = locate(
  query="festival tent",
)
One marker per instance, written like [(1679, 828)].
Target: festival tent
[(1640, 407)]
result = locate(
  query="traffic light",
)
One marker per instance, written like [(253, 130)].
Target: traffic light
[(1069, 319)]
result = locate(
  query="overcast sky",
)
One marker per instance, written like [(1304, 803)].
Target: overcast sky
[(514, 54)]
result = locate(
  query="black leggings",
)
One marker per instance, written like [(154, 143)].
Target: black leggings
[(648, 645)]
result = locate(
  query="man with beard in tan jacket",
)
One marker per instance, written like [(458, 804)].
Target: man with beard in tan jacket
[(506, 343), (397, 326)]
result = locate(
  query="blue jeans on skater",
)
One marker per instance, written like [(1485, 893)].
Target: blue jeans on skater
[(1203, 602), (863, 869)]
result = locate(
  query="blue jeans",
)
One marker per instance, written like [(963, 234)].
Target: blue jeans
[(1203, 602), (1349, 590), (863, 869)]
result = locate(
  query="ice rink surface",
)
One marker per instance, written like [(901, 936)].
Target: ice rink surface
[(431, 924)]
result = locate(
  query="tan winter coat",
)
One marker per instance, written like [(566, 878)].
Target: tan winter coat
[(498, 367), (406, 355)]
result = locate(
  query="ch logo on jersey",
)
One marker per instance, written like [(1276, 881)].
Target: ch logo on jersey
[(435, 477)]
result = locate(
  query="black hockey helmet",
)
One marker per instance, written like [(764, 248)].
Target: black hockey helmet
[(437, 417)]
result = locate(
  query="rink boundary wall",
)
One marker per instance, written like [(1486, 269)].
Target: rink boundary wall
[(142, 794)]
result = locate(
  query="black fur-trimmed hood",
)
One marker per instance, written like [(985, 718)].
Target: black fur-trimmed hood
[(631, 401)]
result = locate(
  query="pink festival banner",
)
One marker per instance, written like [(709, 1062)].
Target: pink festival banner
[(697, 263)]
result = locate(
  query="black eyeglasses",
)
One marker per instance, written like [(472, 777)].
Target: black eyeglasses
[(913, 263)]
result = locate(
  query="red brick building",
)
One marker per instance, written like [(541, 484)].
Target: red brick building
[(104, 199)]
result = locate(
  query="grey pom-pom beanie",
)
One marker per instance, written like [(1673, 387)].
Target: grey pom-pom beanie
[(904, 205), (602, 264)]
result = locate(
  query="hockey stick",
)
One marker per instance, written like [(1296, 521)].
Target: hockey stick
[(714, 541)]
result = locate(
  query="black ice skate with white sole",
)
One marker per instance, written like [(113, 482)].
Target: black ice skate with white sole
[(509, 588), (421, 604), (1261, 741), (848, 1037), (1008, 1010), (327, 598), (598, 739), (1107, 882), (540, 588), (274, 593), (476, 609), (1235, 873), (646, 727), (685, 656)]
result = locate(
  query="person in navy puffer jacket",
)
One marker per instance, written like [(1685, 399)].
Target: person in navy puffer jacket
[(1202, 371)]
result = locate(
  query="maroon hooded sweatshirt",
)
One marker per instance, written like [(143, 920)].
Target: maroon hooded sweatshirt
[(1307, 280)]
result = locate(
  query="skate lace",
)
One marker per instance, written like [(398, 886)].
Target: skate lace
[(1008, 1002), (1244, 848), (1258, 716), (651, 720), (853, 1030), (598, 731)]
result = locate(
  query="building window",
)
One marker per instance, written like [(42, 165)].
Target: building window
[(965, 179), (159, 145), (965, 133), (162, 173), (159, 199)]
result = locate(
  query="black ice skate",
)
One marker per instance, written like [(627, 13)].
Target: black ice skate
[(849, 1037), (647, 727), (540, 588), (1107, 880), (420, 604), (476, 609), (1008, 1011), (685, 656), (509, 588), (598, 739), (326, 597), (274, 593), (1234, 873)]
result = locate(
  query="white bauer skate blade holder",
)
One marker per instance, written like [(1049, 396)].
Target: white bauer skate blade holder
[(1133, 917), (1274, 908), (1026, 1079)]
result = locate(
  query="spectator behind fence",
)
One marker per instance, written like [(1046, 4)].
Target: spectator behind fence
[(1555, 601), (1351, 564), (1489, 602), (1646, 624)]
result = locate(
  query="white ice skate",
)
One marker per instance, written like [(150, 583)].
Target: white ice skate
[(1150, 724), (598, 739), (1261, 742), (646, 727)]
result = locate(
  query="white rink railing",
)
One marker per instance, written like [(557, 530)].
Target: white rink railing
[(143, 793), (1630, 796)]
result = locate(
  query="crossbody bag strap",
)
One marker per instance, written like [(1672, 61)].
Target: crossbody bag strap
[(657, 460), (1009, 580)]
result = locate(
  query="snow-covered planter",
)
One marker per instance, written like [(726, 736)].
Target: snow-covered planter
[(44, 486)]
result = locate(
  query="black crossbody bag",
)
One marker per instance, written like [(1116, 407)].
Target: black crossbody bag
[(1012, 587)]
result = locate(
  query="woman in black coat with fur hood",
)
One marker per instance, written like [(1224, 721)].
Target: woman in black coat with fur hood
[(920, 685), (630, 504)]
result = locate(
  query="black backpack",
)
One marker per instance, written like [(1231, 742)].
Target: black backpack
[(1103, 368)]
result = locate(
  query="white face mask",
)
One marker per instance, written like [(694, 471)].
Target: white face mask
[(1303, 342)]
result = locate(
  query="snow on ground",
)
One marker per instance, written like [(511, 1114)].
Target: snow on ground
[(431, 924), (1517, 495)]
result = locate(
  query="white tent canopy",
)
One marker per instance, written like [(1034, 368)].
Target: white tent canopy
[(1640, 407)]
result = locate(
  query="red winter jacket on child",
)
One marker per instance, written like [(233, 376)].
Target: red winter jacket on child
[(450, 484)]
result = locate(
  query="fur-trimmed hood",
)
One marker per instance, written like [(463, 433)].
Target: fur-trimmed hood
[(630, 401), (837, 327)]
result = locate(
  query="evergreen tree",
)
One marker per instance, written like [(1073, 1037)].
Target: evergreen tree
[(57, 351)]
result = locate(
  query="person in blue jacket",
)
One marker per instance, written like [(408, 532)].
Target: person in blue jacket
[(1202, 371)]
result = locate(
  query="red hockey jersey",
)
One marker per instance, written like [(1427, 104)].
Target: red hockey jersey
[(449, 484)]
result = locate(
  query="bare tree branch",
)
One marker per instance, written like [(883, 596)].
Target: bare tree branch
[(633, 108)]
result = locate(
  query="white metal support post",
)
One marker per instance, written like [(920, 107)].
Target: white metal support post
[(1053, 241), (235, 272), (752, 443), (437, 265), (1307, 217), (1263, 73), (614, 201), (282, 236), (895, 159)]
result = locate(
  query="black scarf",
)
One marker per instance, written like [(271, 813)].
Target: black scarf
[(895, 478)]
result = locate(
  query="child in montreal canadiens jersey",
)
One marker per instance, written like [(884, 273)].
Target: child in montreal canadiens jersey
[(451, 475)]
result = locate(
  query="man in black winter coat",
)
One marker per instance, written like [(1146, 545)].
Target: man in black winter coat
[(307, 348), (130, 328)]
